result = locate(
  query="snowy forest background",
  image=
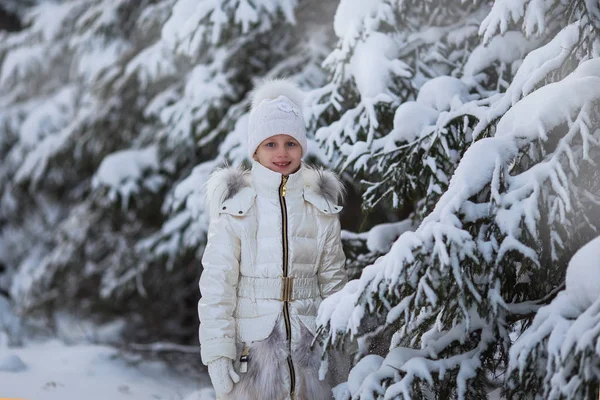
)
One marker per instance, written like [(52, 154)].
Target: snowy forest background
[(467, 133)]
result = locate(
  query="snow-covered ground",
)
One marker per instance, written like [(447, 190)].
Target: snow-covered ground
[(53, 370), (73, 364)]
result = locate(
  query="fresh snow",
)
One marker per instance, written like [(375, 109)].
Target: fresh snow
[(361, 371), (583, 275), (537, 65), (73, 364), (374, 63), (49, 17), (411, 121), (125, 172), (152, 63), (126, 165), (11, 363), (546, 108), (50, 116), (98, 58), (20, 62), (351, 13), (507, 48), (381, 237), (442, 92), (506, 12), (53, 370), (194, 24)]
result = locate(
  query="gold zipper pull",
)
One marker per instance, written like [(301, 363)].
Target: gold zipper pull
[(284, 179)]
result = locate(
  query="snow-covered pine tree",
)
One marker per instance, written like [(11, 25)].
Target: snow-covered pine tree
[(407, 44), (114, 112), (361, 109), (68, 105), (509, 108)]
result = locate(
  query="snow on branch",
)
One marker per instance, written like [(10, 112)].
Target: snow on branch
[(536, 67), (207, 88), (193, 25), (44, 133), (403, 367), (152, 64), (532, 13), (125, 173)]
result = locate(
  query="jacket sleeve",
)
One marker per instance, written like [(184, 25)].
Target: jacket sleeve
[(332, 271), (218, 288)]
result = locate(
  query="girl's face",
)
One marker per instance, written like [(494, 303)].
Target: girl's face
[(280, 153)]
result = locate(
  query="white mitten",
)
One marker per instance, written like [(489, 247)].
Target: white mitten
[(222, 375)]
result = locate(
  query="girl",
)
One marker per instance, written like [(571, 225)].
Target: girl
[(273, 253)]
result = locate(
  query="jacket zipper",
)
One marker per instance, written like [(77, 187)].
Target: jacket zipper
[(286, 310)]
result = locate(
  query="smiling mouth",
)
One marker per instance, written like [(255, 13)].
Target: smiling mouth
[(282, 164)]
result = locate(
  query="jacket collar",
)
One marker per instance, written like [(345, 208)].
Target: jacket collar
[(267, 182), (233, 190)]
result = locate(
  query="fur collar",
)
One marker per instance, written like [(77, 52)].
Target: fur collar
[(228, 182)]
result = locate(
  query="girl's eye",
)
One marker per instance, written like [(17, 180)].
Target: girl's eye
[(270, 144), (291, 144)]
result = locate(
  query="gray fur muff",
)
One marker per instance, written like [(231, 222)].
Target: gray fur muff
[(267, 370)]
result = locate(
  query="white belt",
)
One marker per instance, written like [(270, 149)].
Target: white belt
[(284, 288)]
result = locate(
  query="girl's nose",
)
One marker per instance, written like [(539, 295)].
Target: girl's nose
[(281, 151)]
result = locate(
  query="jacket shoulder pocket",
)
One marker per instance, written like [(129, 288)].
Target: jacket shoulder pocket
[(239, 204), (321, 204)]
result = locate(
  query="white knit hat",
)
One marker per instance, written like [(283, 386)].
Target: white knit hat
[(276, 110)]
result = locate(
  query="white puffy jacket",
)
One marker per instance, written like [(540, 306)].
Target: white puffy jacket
[(274, 252)]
